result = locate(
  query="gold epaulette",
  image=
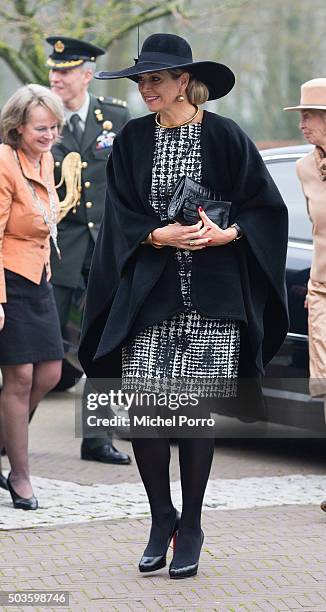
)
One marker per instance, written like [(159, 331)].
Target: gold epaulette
[(114, 101)]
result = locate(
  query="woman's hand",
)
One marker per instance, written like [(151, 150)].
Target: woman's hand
[(218, 236), (188, 237), (193, 237), (2, 317)]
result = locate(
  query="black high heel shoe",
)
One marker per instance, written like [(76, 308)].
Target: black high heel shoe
[(186, 558), (151, 563), (22, 503), (3, 482)]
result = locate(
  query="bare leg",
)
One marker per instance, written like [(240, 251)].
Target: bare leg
[(22, 385), (1, 435), (46, 376), (14, 402)]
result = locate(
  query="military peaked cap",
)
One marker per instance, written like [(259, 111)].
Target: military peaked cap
[(69, 52)]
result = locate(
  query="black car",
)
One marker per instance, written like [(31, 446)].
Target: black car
[(286, 384)]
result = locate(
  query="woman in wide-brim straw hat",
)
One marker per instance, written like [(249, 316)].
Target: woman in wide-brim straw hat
[(311, 171), (170, 302)]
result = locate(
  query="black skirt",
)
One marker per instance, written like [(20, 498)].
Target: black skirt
[(31, 332)]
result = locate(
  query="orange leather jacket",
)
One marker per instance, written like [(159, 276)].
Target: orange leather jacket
[(24, 235)]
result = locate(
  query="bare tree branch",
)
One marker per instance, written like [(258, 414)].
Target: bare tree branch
[(11, 17), (12, 59), (22, 7), (40, 5), (30, 22), (146, 16)]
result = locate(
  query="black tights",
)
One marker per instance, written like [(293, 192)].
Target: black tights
[(195, 458), (153, 458)]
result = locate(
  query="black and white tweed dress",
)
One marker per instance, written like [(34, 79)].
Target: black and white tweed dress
[(187, 352)]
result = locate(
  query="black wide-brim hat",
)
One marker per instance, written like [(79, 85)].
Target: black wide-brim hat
[(168, 51)]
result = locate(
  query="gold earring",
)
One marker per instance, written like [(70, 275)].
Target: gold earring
[(180, 98)]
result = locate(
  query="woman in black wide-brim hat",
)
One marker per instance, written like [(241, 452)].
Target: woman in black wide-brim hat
[(200, 308)]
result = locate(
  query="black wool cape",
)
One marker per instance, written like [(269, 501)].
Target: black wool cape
[(132, 286)]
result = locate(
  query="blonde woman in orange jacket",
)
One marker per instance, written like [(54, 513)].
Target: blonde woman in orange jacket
[(30, 340)]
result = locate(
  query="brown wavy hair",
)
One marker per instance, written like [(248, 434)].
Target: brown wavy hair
[(16, 111)]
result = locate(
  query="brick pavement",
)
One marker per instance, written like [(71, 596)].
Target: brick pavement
[(54, 452), (261, 559), (265, 559)]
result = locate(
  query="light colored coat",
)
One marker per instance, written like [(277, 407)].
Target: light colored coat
[(24, 235), (315, 191)]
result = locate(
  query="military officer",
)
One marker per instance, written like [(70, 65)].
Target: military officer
[(91, 124)]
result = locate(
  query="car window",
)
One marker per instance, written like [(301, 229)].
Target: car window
[(285, 176)]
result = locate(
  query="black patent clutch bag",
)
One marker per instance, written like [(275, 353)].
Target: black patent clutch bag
[(188, 195)]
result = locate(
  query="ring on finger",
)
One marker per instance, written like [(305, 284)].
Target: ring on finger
[(191, 242)]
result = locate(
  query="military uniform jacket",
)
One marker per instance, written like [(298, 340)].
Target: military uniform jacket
[(76, 228)]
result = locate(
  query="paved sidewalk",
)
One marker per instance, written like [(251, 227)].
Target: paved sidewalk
[(262, 560), (254, 559)]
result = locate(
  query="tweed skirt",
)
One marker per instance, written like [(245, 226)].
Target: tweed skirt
[(31, 332), (187, 353)]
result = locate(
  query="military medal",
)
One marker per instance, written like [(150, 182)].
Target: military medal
[(98, 114), (107, 125), (106, 138)]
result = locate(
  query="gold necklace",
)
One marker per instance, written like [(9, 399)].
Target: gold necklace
[(178, 124)]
